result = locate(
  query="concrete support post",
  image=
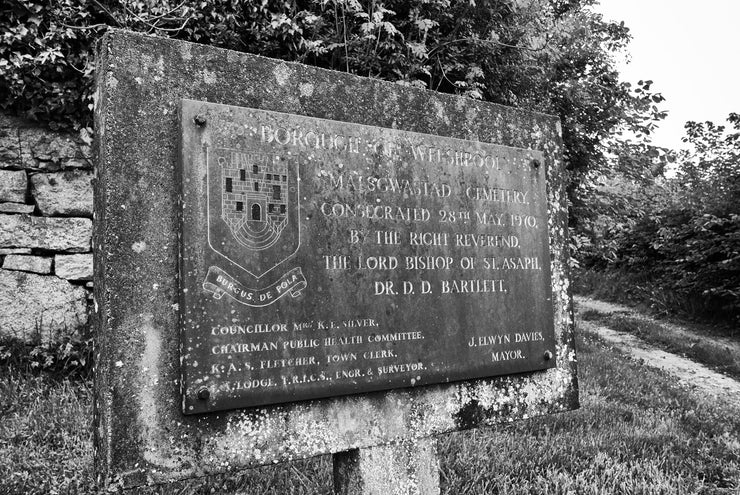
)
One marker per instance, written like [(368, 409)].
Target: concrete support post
[(406, 468)]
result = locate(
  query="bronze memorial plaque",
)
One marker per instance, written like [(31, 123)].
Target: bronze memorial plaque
[(323, 258)]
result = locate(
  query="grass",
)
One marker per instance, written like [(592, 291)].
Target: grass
[(698, 346), (44, 434), (637, 432)]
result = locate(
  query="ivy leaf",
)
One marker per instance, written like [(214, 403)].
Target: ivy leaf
[(418, 50)]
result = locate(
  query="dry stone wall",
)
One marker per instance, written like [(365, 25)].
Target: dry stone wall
[(45, 232)]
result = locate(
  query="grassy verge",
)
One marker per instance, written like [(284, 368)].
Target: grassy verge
[(44, 434), (699, 345), (637, 432)]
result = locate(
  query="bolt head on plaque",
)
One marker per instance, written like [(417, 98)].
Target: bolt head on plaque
[(548, 355), (204, 394)]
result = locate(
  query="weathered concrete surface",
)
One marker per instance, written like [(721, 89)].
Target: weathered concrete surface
[(74, 266), (63, 193), (13, 185), (407, 468), (54, 234), (35, 264), (42, 308), (141, 434)]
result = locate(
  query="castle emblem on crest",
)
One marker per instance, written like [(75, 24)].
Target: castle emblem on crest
[(253, 219), (254, 198)]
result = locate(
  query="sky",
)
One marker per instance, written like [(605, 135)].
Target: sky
[(691, 52)]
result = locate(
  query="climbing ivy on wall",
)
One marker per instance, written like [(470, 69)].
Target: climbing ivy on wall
[(45, 64)]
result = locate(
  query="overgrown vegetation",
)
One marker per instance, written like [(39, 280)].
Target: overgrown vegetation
[(554, 56), (674, 241), (637, 432), (68, 358)]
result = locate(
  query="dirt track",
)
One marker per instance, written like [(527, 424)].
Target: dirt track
[(688, 372)]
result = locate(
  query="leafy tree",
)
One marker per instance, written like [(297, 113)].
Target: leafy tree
[(555, 56), (683, 232), (710, 171)]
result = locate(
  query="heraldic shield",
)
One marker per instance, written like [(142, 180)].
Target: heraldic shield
[(253, 208)]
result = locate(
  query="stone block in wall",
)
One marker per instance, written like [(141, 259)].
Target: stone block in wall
[(6, 251), (52, 234), (13, 185), (16, 208), (46, 150), (74, 266), (40, 307), (86, 140), (64, 193), (10, 151), (35, 264)]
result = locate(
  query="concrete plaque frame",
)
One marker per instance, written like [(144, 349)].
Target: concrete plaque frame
[(141, 434)]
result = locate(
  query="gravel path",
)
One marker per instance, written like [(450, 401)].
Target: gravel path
[(688, 372)]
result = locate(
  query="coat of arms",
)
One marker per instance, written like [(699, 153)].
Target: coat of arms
[(253, 208)]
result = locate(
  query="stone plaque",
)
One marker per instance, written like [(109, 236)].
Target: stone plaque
[(155, 310), (323, 258)]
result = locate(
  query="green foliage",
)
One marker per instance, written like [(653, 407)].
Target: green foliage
[(69, 358), (683, 233), (548, 55), (45, 64), (711, 173), (692, 252)]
